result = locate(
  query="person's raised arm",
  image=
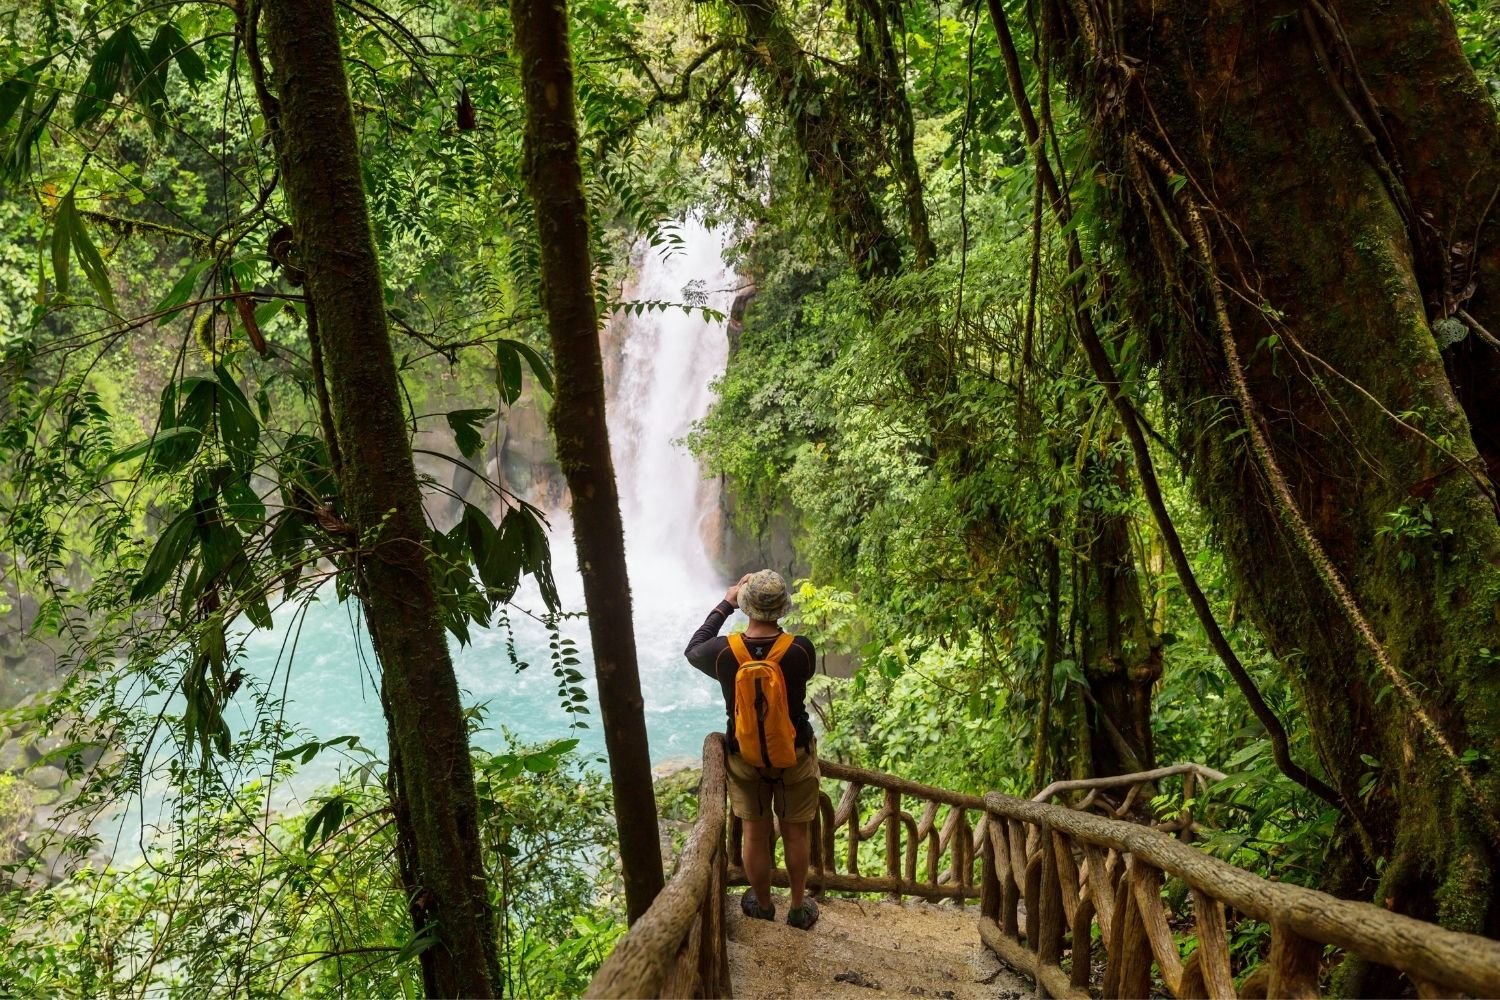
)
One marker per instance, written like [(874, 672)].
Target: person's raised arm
[(698, 652)]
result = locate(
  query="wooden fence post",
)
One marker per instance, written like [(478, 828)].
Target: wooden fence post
[(893, 840), (1294, 964), (989, 883)]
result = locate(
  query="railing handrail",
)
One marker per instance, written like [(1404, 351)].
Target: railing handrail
[(1126, 780), (890, 782), (666, 937), (1446, 957), (645, 955)]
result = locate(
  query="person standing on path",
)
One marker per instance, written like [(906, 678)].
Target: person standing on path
[(756, 790)]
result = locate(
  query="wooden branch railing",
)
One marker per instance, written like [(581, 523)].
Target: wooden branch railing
[(950, 843), (1134, 792), (678, 948), (1048, 876), (1065, 871)]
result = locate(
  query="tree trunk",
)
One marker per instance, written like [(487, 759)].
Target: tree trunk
[(432, 780), (578, 419), (1332, 168), (894, 107), (1122, 657), (825, 138)]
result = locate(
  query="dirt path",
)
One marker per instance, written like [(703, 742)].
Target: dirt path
[(860, 950)]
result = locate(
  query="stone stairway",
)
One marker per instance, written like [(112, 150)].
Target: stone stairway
[(860, 950)]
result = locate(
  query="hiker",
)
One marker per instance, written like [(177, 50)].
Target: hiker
[(773, 760)]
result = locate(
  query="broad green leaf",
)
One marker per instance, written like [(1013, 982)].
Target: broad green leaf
[(537, 363), (508, 374), (93, 265), (466, 433), (165, 436), (12, 93), (182, 290), (62, 240), (168, 46), (171, 548)]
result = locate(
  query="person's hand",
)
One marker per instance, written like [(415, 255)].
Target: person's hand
[(732, 595)]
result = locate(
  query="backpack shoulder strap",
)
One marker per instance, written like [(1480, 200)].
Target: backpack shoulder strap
[(740, 650), (780, 646)]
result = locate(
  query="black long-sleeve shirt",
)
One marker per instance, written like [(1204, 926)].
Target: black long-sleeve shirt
[(709, 652)]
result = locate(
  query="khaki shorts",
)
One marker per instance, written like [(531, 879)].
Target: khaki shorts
[(794, 797)]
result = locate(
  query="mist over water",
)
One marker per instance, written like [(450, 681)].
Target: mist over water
[(659, 387)]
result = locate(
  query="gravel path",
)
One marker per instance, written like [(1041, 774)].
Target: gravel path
[(860, 950)]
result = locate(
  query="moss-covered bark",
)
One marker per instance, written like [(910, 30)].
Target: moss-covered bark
[(1121, 656), (823, 135), (432, 781), (1320, 217), (578, 419)]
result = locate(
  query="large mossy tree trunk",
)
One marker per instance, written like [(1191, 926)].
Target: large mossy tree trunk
[(1121, 655), (1295, 192), (555, 178), (432, 781)]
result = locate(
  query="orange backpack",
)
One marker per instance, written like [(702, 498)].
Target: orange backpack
[(762, 718)]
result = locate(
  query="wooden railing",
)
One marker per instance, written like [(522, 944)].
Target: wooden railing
[(943, 828), (1062, 872), (1124, 795), (1048, 876), (678, 947)]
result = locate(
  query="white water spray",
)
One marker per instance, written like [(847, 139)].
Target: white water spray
[(667, 361)]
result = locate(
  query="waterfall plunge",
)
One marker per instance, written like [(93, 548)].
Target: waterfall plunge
[(666, 361)]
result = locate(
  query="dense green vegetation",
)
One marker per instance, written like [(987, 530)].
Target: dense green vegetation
[(1099, 439)]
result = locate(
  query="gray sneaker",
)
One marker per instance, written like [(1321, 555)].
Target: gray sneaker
[(804, 916), (751, 907)]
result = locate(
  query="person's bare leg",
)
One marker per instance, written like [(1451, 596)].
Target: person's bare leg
[(757, 847), (795, 836)]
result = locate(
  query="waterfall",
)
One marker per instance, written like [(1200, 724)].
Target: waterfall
[(666, 360), (660, 365)]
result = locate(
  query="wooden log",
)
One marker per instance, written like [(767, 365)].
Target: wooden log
[(1009, 894), (1213, 947), (1017, 841), (934, 856), (682, 980), (1101, 890), (909, 869), (828, 826), (893, 839), (1032, 893), (1455, 961), (963, 852), (1192, 987), (1049, 939), (867, 831), (1049, 978), (989, 884), (1294, 964), (866, 883), (1123, 780), (1067, 873), (1145, 886), (1115, 943), (1083, 944), (713, 953), (848, 802), (1254, 986), (853, 847), (1134, 959), (646, 955)]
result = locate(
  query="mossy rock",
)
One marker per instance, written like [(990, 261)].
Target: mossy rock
[(45, 796), (13, 755), (46, 776)]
